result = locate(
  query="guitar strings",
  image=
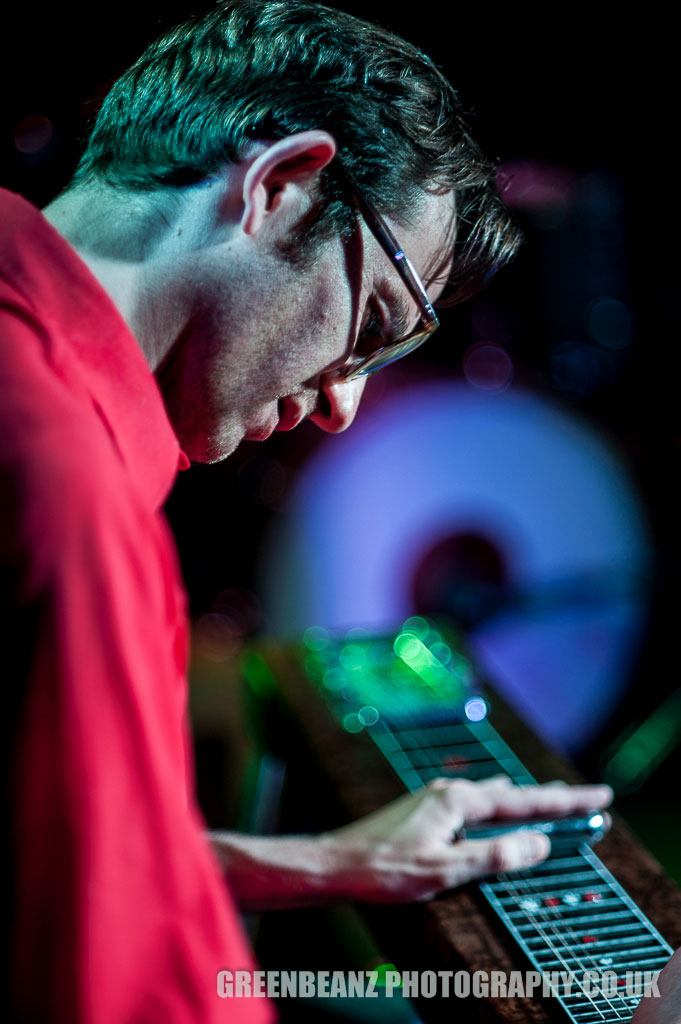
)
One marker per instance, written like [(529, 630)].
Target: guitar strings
[(552, 946), (627, 1002), (426, 748), (515, 892)]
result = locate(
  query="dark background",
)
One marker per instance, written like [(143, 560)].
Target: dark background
[(579, 90)]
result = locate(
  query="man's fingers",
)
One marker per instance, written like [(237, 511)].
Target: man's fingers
[(494, 782), (496, 798), (550, 800), (409, 851), (478, 857)]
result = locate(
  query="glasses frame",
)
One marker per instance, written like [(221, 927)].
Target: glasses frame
[(429, 319)]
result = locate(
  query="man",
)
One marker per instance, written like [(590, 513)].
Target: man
[(215, 271)]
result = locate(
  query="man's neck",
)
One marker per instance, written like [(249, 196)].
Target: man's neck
[(134, 246)]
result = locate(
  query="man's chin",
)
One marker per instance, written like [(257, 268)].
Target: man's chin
[(209, 450)]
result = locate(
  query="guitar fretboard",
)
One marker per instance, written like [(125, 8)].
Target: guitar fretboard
[(569, 915)]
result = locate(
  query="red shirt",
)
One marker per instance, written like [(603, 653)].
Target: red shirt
[(120, 914)]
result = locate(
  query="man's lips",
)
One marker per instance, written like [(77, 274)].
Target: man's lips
[(260, 433), (285, 415), (261, 428), (291, 413)]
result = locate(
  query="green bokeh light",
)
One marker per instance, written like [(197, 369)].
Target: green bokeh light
[(403, 674), (316, 638)]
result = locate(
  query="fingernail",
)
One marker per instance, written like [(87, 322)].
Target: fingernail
[(535, 845)]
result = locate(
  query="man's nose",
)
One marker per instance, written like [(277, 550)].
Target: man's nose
[(338, 403)]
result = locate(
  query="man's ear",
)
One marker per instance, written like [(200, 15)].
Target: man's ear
[(280, 172)]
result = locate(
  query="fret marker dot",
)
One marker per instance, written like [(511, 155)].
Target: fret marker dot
[(571, 898), (552, 901), (475, 709), (605, 961), (592, 897), (589, 938), (530, 905), (454, 764)]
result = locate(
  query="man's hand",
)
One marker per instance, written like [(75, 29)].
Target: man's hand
[(406, 851), (665, 1008)]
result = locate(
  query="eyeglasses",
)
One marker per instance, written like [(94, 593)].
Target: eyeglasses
[(429, 322)]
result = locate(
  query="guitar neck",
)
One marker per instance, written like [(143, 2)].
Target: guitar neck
[(416, 701), (569, 915)]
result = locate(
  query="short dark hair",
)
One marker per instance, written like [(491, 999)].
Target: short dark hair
[(264, 69)]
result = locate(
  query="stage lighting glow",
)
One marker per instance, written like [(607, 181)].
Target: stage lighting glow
[(577, 368), (352, 723), (488, 367), (535, 185), (407, 646), (416, 625), (334, 679), (536, 482), (33, 133), (316, 638), (610, 323), (379, 676), (357, 633), (352, 657), (381, 653), (631, 760), (368, 715), (442, 652), (423, 663)]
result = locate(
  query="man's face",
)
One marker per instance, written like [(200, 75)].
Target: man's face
[(273, 358)]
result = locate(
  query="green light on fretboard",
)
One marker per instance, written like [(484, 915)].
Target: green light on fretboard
[(353, 657), (423, 662), (401, 674)]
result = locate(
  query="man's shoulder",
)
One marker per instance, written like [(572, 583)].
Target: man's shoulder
[(65, 486), (48, 419), (67, 500), (15, 211), (22, 232), (71, 371)]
